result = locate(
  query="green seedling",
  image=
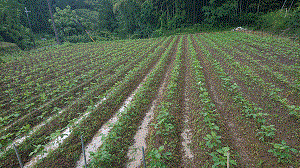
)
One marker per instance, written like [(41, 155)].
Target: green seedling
[(212, 140), (158, 158), (220, 157), (258, 116), (37, 149), (213, 126), (24, 129), (282, 152), (266, 133), (6, 139), (294, 110)]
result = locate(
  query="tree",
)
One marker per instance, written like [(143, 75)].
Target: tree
[(147, 19), (65, 20), (11, 29), (128, 16), (218, 13), (39, 15), (107, 19)]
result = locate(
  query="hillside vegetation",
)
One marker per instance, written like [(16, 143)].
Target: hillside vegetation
[(115, 19)]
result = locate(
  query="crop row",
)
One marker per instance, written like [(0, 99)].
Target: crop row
[(58, 122), (293, 87), (216, 148), (265, 56), (34, 118), (286, 88), (40, 60), (268, 88), (53, 70), (97, 117), (130, 119), (270, 59), (166, 122), (65, 99), (270, 41), (280, 52), (252, 111), (23, 90)]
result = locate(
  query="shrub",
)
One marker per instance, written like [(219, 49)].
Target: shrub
[(77, 39)]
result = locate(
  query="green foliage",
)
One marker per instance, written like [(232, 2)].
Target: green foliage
[(106, 20), (77, 38), (267, 132), (70, 26), (11, 29), (37, 149), (147, 19), (128, 16), (216, 13), (90, 16), (294, 21), (220, 157), (275, 21), (38, 16), (64, 21), (280, 22), (177, 20), (212, 140), (158, 157), (282, 152)]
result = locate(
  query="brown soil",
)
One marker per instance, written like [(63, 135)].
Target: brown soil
[(288, 129), (288, 92), (239, 134), (48, 78), (192, 109), (160, 97)]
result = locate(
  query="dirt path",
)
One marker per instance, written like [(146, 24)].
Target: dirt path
[(188, 158), (135, 151), (97, 140), (159, 98)]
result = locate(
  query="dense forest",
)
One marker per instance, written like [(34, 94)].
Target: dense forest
[(104, 19)]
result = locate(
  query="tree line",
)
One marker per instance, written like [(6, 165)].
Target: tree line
[(140, 18)]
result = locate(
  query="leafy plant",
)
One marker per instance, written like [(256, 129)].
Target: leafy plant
[(5, 139), (212, 140), (220, 157), (267, 132), (282, 152), (37, 149), (158, 158), (258, 116), (24, 129)]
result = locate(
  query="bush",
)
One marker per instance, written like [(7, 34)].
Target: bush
[(274, 21), (294, 22), (77, 39), (157, 33), (248, 19)]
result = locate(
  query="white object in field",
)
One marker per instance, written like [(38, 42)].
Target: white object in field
[(239, 29)]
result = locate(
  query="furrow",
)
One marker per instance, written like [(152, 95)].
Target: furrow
[(96, 119)]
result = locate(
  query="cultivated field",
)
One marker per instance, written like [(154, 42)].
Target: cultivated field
[(189, 100)]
